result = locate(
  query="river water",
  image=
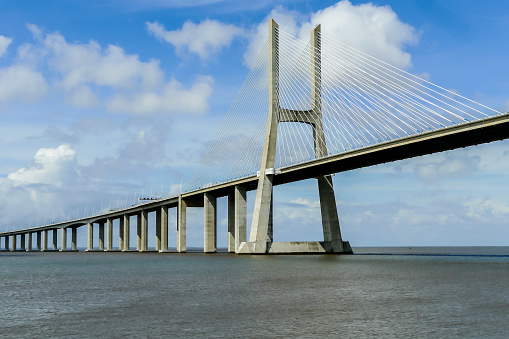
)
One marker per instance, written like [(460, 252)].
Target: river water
[(378, 292)]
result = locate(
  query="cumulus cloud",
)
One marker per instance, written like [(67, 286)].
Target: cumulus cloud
[(4, 44), (204, 39), (85, 70), (80, 64), (21, 83), (50, 166), (454, 165), (172, 98), (375, 30)]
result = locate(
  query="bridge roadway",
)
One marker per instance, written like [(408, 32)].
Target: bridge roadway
[(457, 136)]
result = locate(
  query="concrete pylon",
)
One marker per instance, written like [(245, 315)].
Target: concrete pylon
[(181, 225), (90, 242), (29, 242), (127, 233), (209, 223), (39, 246), (121, 233), (144, 230), (55, 240), (109, 234), (260, 239), (240, 216), (63, 239), (158, 229), (164, 229), (101, 235), (44, 240), (74, 239)]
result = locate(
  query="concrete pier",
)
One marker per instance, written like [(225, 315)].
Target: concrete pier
[(6, 247), (164, 228), (22, 242), (240, 216), (127, 232), (55, 240), (144, 230), (121, 233), (74, 239), (90, 242), (14, 244), (231, 222), (138, 232), (181, 225), (209, 223), (39, 240), (63, 239), (29, 242), (158, 230), (101, 236), (109, 234), (45, 240)]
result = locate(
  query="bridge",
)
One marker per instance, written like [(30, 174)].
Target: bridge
[(306, 110)]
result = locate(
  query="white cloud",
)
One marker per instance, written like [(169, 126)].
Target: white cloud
[(4, 44), (454, 165), (21, 83), (172, 98), (205, 39), (375, 30), (81, 64), (83, 96), (306, 203), (51, 166)]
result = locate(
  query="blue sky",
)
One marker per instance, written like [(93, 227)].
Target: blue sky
[(102, 100)]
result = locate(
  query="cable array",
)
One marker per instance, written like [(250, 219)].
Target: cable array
[(358, 101), (234, 150)]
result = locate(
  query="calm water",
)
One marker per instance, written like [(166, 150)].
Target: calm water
[(380, 292)]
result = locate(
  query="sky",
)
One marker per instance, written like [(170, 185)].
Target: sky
[(102, 102)]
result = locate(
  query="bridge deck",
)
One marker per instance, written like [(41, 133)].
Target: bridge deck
[(458, 136)]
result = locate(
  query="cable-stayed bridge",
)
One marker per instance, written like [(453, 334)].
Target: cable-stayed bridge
[(305, 110)]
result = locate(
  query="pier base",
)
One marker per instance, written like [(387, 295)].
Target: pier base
[(296, 247)]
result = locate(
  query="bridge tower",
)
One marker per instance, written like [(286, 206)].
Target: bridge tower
[(261, 236)]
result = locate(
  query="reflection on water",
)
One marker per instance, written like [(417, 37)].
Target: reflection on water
[(380, 292)]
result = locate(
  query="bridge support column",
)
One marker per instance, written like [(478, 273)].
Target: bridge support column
[(90, 242), (55, 240), (14, 244), (121, 233), (231, 222), (101, 236), (181, 225), (127, 232), (158, 229), (209, 223), (109, 234), (29, 242), (63, 239), (138, 232), (164, 229), (22, 242), (6, 243), (240, 216), (74, 238), (144, 230), (39, 236), (45, 240)]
